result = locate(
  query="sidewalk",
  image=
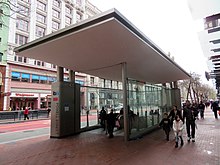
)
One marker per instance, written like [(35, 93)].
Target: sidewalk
[(94, 148)]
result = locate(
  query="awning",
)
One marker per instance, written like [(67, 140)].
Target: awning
[(98, 45)]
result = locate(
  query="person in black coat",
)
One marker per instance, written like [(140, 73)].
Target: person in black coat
[(165, 124), (190, 113), (215, 108), (111, 123), (201, 108), (173, 113), (103, 115)]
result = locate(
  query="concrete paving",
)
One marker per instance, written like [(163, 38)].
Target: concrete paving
[(95, 148)]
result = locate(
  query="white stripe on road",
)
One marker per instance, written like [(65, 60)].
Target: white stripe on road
[(32, 137)]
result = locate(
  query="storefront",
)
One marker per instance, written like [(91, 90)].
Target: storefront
[(18, 101)]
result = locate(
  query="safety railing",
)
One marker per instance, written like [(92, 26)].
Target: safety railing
[(19, 115)]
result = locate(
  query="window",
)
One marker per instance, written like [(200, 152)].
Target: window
[(68, 10), (68, 20), (22, 25), (41, 6), (55, 25), (78, 16), (25, 77), (39, 63), (40, 32), (43, 79), (20, 59), (23, 10), (35, 78), (1, 54), (20, 39), (15, 76), (56, 3), (54, 66), (92, 80), (79, 82), (56, 14), (51, 79), (41, 18)]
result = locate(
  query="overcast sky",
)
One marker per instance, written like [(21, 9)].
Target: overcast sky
[(169, 24)]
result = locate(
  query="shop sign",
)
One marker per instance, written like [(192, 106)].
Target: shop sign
[(23, 94)]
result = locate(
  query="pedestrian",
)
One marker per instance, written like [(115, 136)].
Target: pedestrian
[(48, 112), (165, 124), (103, 115), (215, 108), (26, 112), (173, 113), (111, 123), (178, 129), (190, 114), (201, 108)]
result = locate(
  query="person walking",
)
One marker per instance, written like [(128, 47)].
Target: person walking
[(165, 123), (103, 115), (190, 114), (173, 113), (178, 129), (201, 108), (26, 112), (215, 108), (111, 123)]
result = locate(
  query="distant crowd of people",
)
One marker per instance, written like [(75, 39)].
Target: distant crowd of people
[(176, 119)]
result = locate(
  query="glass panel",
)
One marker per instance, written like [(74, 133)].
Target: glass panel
[(35, 77), (25, 75), (43, 78), (15, 74)]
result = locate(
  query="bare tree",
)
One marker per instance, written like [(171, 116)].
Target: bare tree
[(196, 90)]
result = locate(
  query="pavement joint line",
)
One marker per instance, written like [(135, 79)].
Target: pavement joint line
[(1, 133), (32, 137)]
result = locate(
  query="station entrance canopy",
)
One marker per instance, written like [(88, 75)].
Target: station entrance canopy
[(98, 45)]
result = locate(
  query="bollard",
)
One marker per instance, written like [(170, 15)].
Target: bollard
[(98, 117), (87, 117), (146, 119), (138, 121)]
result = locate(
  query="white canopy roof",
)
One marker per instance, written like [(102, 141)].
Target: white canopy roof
[(98, 45)]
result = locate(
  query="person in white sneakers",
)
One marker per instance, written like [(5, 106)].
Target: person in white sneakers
[(190, 113), (178, 129)]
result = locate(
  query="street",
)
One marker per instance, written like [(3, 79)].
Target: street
[(14, 132)]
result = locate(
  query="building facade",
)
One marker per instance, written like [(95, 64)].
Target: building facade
[(209, 13), (29, 80), (4, 29)]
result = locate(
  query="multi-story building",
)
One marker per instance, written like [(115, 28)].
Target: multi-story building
[(29, 82), (4, 21), (209, 37)]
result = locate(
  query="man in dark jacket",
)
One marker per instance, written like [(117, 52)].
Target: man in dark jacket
[(190, 114), (201, 108), (215, 107), (103, 115), (111, 123), (173, 114)]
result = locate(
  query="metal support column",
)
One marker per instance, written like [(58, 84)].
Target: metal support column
[(125, 103), (72, 76), (60, 73)]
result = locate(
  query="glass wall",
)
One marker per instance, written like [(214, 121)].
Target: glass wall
[(146, 105)]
